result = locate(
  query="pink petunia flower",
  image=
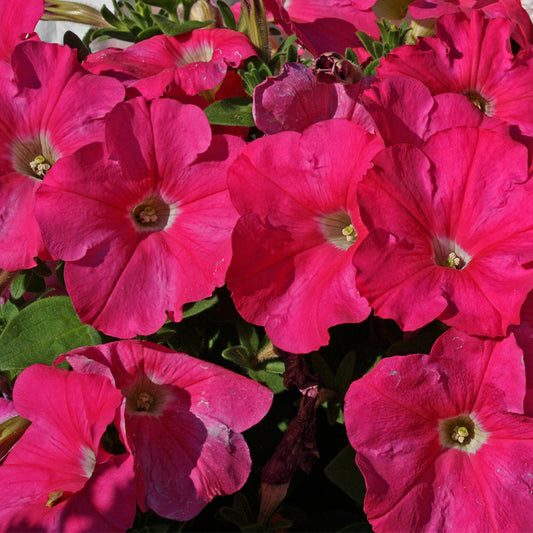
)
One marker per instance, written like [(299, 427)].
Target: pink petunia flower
[(146, 218), (450, 235), (182, 419), (511, 9), (49, 107), (299, 228), (441, 439), (471, 56), (404, 111), (194, 62), (58, 477), (294, 100)]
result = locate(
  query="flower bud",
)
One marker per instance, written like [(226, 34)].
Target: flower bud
[(203, 10), (331, 67)]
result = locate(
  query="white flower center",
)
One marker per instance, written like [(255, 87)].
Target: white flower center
[(338, 229), (462, 432), (448, 253)]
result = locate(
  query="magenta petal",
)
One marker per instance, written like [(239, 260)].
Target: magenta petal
[(76, 184), (294, 100), (420, 476), (148, 214), (60, 452), (185, 437), (19, 231), (423, 216), (14, 27), (299, 280)]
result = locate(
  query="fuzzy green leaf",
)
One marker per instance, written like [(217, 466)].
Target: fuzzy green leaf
[(200, 307), (227, 15), (343, 472), (177, 28), (42, 331), (235, 111)]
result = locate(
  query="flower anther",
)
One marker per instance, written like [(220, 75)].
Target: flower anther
[(145, 397), (480, 102), (152, 214), (338, 229), (462, 432), (40, 166), (57, 496), (144, 401), (34, 157), (449, 254)]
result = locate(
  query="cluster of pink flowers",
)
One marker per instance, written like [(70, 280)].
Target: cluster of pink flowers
[(404, 194)]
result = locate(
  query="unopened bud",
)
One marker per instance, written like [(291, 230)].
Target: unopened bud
[(73, 12), (331, 67), (202, 10), (10, 432)]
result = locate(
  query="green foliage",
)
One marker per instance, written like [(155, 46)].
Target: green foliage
[(227, 15), (336, 383), (256, 358), (343, 472), (42, 331), (134, 22), (177, 28), (256, 71), (236, 111), (200, 307), (391, 37)]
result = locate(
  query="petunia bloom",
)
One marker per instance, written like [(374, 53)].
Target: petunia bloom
[(146, 219), (292, 268), (49, 107), (182, 418), (450, 237), (294, 100), (58, 477), (471, 56), (441, 439), (194, 62)]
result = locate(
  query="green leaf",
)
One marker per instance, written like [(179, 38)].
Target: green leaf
[(292, 54), (177, 28), (227, 15), (109, 33), (200, 307), (351, 56), (112, 19), (42, 331), (168, 5), (148, 32), (8, 311), (20, 284), (366, 41), (378, 49), (370, 69), (248, 336), (345, 371), (235, 111), (238, 355), (321, 367), (343, 472), (274, 381)]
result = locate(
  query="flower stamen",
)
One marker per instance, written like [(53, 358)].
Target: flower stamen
[(350, 233), (57, 496), (144, 401), (40, 166)]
